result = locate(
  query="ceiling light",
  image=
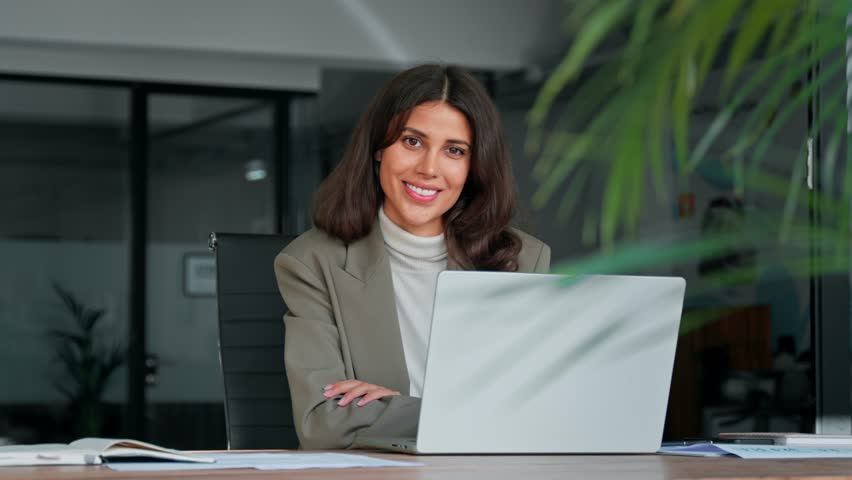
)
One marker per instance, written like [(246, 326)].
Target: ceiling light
[(255, 170)]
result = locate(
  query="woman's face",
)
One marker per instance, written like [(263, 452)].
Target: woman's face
[(424, 171)]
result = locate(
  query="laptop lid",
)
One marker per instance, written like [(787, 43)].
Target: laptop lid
[(533, 363)]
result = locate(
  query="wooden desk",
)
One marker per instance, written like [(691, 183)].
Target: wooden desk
[(497, 467)]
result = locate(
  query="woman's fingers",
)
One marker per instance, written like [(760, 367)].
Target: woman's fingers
[(376, 394), (339, 388), (356, 392), (352, 389)]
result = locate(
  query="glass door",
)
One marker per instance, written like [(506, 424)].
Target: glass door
[(211, 168)]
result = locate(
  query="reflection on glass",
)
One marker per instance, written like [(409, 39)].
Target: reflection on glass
[(63, 285), (211, 169)]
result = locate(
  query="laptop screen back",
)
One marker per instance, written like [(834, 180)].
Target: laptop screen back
[(530, 363)]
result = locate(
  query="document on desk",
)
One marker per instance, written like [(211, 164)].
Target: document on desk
[(784, 451), (694, 450), (756, 451), (267, 461)]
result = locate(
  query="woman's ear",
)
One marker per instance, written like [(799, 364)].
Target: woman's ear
[(378, 156)]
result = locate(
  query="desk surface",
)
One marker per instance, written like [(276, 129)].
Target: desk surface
[(499, 467)]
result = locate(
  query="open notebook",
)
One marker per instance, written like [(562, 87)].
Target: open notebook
[(91, 451)]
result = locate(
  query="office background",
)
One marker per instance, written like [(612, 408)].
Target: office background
[(131, 130)]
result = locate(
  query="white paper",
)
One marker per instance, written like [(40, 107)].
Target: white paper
[(267, 461), (696, 450), (46, 454), (783, 451), (330, 460)]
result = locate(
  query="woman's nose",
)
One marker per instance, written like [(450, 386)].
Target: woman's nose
[(428, 164)]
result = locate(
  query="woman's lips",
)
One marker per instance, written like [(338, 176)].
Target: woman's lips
[(421, 194)]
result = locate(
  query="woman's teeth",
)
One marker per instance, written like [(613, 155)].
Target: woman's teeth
[(421, 191)]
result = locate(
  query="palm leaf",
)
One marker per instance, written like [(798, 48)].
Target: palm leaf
[(760, 21), (90, 319), (792, 65), (789, 36), (647, 254), (639, 33), (598, 24), (71, 303), (798, 103), (572, 194)]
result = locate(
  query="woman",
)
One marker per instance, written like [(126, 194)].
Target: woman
[(424, 185)]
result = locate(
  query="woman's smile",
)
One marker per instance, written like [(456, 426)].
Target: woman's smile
[(421, 194)]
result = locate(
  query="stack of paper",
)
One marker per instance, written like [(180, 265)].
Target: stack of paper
[(798, 439), (267, 461), (756, 451)]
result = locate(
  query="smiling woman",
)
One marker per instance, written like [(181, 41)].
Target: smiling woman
[(425, 185), (423, 173)]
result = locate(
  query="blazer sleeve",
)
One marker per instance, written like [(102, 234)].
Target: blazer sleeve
[(313, 358)]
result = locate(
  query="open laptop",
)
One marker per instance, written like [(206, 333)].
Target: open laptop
[(534, 363)]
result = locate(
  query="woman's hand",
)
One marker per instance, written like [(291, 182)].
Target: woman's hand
[(352, 389)]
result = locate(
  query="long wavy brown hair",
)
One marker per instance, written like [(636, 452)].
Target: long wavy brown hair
[(477, 226)]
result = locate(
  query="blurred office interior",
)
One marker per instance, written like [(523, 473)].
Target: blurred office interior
[(131, 130)]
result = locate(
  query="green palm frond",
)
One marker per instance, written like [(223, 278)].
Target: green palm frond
[(620, 106)]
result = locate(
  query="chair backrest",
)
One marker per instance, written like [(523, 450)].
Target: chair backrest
[(258, 409)]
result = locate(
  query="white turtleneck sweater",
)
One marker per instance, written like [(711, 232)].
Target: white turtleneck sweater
[(415, 264)]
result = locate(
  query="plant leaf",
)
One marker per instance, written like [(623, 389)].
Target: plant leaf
[(639, 33), (71, 303), (598, 24), (759, 21)]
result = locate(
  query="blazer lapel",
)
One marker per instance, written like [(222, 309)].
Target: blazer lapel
[(368, 313)]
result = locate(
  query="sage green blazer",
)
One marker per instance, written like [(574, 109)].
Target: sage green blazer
[(342, 324)]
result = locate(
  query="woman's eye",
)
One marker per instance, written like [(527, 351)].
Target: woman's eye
[(456, 151), (412, 141)]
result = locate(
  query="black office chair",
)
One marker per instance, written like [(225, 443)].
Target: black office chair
[(258, 409)]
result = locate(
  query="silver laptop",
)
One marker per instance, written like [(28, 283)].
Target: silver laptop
[(532, 363)]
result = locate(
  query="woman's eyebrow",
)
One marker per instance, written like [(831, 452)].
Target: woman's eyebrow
[(423, 134)]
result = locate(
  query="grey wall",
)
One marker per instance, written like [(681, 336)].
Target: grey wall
[(268, 43), (358, 32)]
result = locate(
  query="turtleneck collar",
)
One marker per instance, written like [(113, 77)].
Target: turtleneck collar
[(397, 240)]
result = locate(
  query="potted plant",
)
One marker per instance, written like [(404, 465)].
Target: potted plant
[(652, 95), (88, 364)]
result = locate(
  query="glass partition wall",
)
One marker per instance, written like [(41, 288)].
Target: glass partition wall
[(211, 167), (64, 218), (108, 192)]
